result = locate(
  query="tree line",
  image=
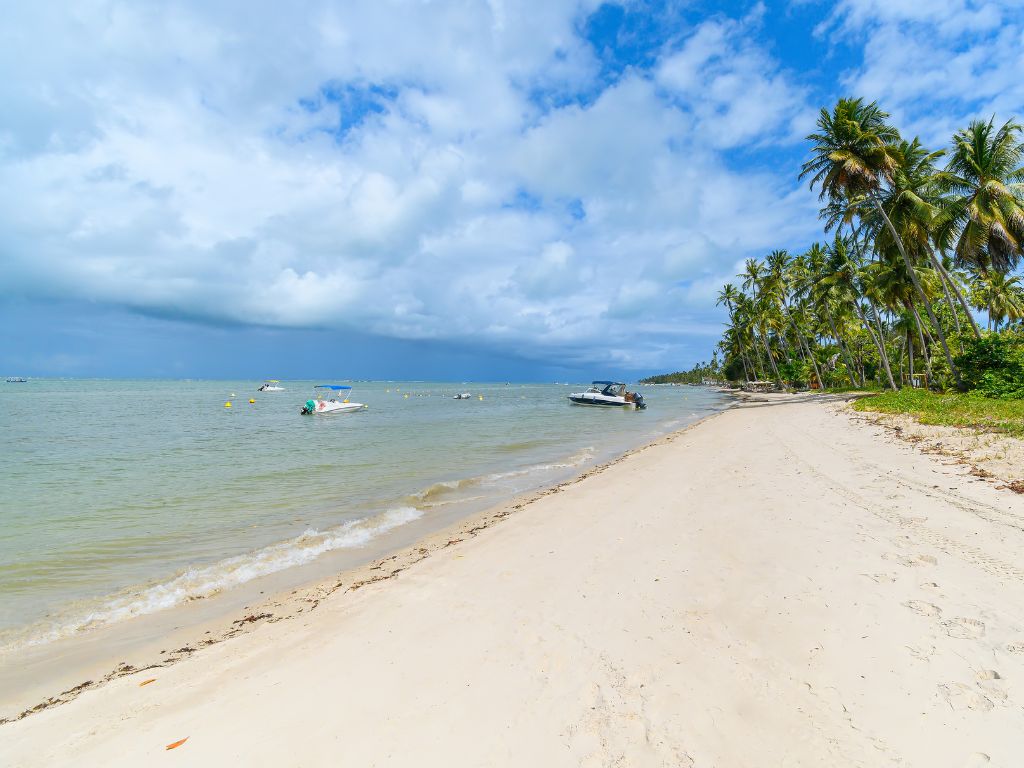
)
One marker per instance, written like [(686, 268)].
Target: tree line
[(921, 244)]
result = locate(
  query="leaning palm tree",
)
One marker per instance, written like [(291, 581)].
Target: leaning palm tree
[(983, 218), (855, 154), (912, 200)]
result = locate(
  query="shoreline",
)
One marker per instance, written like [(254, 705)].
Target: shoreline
[(781, 584), (182, 640)]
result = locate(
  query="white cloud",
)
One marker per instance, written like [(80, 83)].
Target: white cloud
[(734, 88), (187, 159), (935, 66)]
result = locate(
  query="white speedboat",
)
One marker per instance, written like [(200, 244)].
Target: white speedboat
[(271, 385), (16, 380), (330, 398), (462, 396), (609, 394)]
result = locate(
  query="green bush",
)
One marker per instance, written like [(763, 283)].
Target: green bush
[(994, 365), (796, 373)]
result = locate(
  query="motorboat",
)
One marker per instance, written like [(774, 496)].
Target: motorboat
[(16, 380), (463, 396), (609, 394), (271, 385), (330, 398)]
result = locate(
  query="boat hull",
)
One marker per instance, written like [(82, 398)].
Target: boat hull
[(329, 409), (600, 402)]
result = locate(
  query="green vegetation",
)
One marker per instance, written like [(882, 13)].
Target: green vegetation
[(699, 373), (915, 250), (953, 410), (994, 365)]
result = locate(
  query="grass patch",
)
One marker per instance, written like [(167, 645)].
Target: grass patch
[(951, 410)]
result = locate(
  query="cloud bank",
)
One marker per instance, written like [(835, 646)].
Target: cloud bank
[(552, 181)]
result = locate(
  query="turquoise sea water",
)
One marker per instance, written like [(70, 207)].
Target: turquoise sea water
[(121, 498)]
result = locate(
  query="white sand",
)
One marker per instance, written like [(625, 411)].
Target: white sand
[(779, 586)]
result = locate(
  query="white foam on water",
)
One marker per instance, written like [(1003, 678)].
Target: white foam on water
[(200, 582)]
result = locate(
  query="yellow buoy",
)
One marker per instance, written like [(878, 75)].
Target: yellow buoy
[(227, 404), (406, 395), (481, 397), (251, 400)]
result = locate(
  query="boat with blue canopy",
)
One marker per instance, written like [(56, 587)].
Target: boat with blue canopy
[(330, 398)]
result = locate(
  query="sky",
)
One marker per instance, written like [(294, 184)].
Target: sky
[(476, 189)]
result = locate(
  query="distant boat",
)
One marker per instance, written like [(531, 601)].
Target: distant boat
[(16, 380), (609, 394), (271, 385), (327, 401), (462, 396)]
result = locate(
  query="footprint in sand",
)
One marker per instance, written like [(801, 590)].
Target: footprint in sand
[(988, 681), (923, 652), (1015, 647), (923, 608), (880, 578), (961, 697), (977, 760), (964, 629), (912, 562)]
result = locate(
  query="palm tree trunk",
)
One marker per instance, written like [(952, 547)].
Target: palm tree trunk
[(920, 292), (771, 360), (881, 345), (924, 346), (842, 348), (814, 363), (956, 292), (910, 349), (803, 344), (878, 343), (746, 374)]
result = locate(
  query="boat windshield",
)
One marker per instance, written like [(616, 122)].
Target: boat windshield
[(332, 391), (614, 390)]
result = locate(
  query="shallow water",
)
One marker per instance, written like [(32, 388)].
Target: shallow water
[(121, 498)]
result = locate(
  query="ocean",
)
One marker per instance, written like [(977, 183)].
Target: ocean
[(122, 498)]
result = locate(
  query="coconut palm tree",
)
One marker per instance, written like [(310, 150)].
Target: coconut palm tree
[(855, 154), (983, 218), (912, 200), (844, 273), (1001, 297), (825, 300), (729, 296)]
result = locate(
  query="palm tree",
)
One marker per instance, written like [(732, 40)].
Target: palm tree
[(823, 297), (984, 215), (730, 296), (843, 272), (759, 311), (911, 201), (1000, 296), (855, 153)]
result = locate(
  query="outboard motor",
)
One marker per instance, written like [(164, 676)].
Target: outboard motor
[(309, 408), (639, 400)]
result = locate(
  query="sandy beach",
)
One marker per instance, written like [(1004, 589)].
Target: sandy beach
[(784, 584)]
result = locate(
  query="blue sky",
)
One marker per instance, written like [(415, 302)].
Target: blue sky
[(475, 189)]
